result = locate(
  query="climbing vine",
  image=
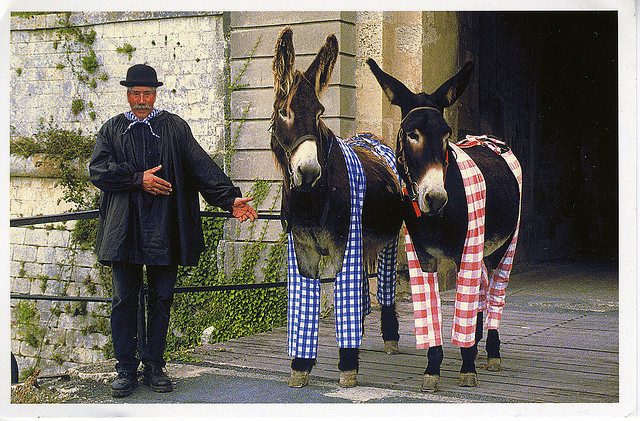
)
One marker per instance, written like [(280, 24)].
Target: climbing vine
[(234, 313)]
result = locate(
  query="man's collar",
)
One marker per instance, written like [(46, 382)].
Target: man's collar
[(134, 120)]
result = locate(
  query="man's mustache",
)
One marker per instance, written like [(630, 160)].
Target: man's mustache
[(142, 107)]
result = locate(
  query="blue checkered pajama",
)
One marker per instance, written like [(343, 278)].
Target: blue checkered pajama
[(388, 256), (351, 299)]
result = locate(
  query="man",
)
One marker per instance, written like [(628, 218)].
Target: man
[(150, 169)]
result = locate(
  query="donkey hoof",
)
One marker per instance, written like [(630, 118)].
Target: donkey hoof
[(468, 380), (430, 383), (298, 378), (348, 378), (391, 347), (493, 364)]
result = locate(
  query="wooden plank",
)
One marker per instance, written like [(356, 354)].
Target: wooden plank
[(564, 356), (399, 367)]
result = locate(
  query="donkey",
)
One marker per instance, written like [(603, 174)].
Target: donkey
[(436, 216), (321, 211)]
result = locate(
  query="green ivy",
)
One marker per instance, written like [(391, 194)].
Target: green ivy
[(234, 313), (26, 320), (127, 49)]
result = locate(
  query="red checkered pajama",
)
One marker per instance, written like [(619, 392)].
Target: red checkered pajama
[(424, 286), (493, 293), (476, 290)]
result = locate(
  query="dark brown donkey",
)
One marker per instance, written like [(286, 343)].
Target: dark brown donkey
[(427, 163), (316, 198)]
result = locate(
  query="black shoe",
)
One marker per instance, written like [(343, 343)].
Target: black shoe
[(124, 384), (156, 378)]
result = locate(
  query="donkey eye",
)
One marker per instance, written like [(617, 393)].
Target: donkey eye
[(283, 113), (413, 136)]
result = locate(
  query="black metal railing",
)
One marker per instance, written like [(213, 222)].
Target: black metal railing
[(92, 214)]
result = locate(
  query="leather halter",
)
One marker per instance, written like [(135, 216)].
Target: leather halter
[(412, 187)]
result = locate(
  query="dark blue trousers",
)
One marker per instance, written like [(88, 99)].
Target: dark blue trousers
[(127, 314)]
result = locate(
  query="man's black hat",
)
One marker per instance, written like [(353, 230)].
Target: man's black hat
[(141, 75)]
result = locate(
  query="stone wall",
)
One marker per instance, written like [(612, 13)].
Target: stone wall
[(188, 51)]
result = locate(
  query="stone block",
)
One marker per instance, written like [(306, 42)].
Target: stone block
[(261, 163), (79, 273), (51, 271), (75, 338), (57, 338), (46, 353), (15, 268), (24, 253), (66, 321), (84, 355), (86, 259), (32, 269), (20, 285), (46, 255), (17, 235), (55, 287), (62, 255), (15, 346), (95, 340), (58, 238), (27, 350)]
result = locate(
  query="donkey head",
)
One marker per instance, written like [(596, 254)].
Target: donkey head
[(421, 149), (297, 132)]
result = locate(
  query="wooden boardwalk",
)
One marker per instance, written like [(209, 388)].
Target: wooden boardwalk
[(548, 355)]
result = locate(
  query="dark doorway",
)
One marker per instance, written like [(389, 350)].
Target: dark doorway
[(548, 84)]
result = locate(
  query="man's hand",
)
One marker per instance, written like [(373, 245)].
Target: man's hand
[(153, 184), (242, 211)]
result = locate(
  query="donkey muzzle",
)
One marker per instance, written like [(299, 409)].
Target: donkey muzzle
[(432, 196), (433, 202), (305, 167)]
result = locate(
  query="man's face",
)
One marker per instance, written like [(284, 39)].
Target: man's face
[(141, 100)]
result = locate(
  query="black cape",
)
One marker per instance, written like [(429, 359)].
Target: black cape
[(136, 226)]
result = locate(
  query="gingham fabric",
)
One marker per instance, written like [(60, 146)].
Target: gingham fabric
[(495, 284), (388, 256), (474, 285), (470, 273), (304, 293), (387, 262), (134, 120), (351, 298), (426, 300)]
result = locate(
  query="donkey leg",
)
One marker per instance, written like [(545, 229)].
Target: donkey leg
[(493, 350), (389, 326), (432, 373), (479, 329), (468, 374), (300, 369), (348, 366), (387, 262)]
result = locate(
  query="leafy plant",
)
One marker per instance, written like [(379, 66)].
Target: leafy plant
[(127, 49), (77, 106)]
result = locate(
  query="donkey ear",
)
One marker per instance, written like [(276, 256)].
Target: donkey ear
[(319, 71), (453, 88), (395, 90), (283, 62)]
